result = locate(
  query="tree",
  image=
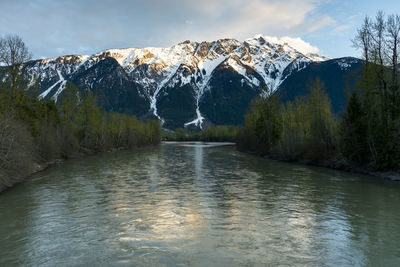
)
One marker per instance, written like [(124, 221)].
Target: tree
[(379, 86), (264, 121), (153, 131), (14, 54), (363, 39), (295, 129), (322, 124), (308, 126), (180, 134), (353, 128), (69, 100), (393, 43), (87, 118)]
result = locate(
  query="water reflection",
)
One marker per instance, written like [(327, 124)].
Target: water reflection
[(198, 204), (198, 159)]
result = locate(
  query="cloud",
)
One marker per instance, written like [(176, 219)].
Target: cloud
[(243, 18), (296, 43), (87, 26)]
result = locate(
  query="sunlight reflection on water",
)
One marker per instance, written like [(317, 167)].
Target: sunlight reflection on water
[(198, 204)]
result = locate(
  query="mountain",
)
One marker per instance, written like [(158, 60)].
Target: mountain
[(339, 76), (190, 84)]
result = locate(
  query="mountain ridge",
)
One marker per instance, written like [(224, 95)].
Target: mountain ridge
[(150, 76)]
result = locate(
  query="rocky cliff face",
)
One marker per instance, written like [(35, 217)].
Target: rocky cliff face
[(190, 84)]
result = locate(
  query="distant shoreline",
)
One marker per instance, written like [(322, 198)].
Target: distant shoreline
[(205, 143), (329, 164), (335, 165)]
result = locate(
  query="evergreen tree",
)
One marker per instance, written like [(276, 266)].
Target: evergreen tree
[(353, 128)]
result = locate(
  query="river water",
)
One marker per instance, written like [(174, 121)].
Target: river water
[(191, 204)]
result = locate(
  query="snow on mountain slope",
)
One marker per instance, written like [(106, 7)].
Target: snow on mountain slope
[(186, 63)]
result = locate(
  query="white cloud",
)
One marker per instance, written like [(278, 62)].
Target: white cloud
[(87, 26), (297, 43), (243, 18)]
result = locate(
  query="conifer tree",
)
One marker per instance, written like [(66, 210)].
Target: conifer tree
[(353, 130)]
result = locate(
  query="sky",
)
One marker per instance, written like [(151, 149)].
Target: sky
[(53, 28)]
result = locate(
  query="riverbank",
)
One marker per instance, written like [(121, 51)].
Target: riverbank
[(203, 143), (20, 178), (336, 163)]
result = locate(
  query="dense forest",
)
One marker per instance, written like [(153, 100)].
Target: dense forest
[(34, 132), (367, 136)]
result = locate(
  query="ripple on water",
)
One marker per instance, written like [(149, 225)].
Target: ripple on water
[(198, 204)]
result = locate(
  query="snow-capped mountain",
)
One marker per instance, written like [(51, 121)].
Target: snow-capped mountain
[(190, 83)]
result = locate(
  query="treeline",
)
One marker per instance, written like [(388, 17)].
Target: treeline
[(304, 129), (371, 125), (219, 133), (367, 135), (35, 131)]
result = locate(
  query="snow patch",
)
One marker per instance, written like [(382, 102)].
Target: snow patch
[(61, 88), (31, 82), (198, 122), (343, 64), (60, 82), (242, 71), (209, 65), (153, 98)]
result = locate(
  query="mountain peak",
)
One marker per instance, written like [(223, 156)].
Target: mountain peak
[(290, 43), (258, 62)]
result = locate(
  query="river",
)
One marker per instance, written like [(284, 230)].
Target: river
[(191, 204)]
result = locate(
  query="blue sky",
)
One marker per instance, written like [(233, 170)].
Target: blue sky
[(53, 28)]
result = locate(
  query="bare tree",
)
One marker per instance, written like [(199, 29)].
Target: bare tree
[(379, 31), (393, 46), (379, 40), (13, 55), (363, 39)]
